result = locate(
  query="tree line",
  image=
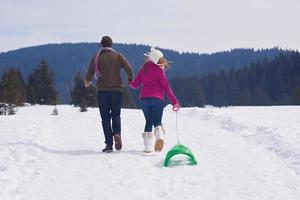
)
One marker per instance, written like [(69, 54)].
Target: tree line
[(267, 82), (40, 89), (87, 97), (66, 59)]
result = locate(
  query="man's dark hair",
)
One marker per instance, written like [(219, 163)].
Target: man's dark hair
[(106, 41)]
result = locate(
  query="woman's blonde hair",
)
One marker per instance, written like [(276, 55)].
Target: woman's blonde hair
[(164, 63)]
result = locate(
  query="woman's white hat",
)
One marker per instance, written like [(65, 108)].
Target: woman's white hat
[(154, 55)]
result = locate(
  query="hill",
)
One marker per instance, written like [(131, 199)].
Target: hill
[(67, 59), (243, 153)]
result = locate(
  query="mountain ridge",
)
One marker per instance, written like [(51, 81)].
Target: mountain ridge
[(65, 59)]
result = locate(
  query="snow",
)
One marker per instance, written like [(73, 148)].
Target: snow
[(242, 153)]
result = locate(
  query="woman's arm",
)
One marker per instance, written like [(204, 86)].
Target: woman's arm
[(166, 86)]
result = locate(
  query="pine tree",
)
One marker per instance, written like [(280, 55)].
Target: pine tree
[(260, 98), (41, 88), (13, 87), (233, 88), (91, 96), (83, 105), (189, 91), (126, 100), (1, 91), (297, 94), (79, 92), (31, 95), (220, 90), (55, 111)]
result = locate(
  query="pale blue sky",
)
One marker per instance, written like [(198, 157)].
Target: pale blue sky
[(184, 25)]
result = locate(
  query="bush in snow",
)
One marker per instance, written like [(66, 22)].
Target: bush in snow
[(83, 106), (2, 109), (55, 111), (7, 109)]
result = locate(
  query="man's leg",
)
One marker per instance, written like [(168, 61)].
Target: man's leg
[(116, 104), (104, 107)]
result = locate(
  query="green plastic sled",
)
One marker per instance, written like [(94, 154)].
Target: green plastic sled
[(179, 149)]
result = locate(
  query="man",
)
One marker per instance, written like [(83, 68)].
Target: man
[(106, 65)]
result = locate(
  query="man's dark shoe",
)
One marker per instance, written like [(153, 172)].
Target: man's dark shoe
[(107, 149), (118, 142)]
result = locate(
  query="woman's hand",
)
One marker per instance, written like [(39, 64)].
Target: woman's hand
[(176, 107)]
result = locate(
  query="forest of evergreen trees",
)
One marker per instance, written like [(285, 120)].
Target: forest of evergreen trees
[(87, 97), (39, 88), (267, 82), (66, 59)]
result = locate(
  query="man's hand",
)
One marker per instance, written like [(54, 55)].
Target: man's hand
[(86, 83)]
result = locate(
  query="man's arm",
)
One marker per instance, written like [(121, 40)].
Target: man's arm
[(89, 74), (127, 67)]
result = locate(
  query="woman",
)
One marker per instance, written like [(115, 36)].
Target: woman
[(154, 83)]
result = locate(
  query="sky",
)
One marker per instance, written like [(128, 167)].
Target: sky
[(202, 26)]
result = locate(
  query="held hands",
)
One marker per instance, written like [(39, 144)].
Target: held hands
[(86, 83), (176, 107)]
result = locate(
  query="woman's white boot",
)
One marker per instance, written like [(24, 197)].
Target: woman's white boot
[(159, 133), (148, 141)]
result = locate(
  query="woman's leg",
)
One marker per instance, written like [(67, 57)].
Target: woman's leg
[(146, 107), (159, 132), (157, 112)]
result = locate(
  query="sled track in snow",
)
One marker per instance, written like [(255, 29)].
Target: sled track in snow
[(266, 137)]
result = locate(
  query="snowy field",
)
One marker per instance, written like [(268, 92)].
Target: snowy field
[(242, 153)]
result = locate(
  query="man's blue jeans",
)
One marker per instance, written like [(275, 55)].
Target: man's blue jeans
[(153, 111), (110, 103)]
